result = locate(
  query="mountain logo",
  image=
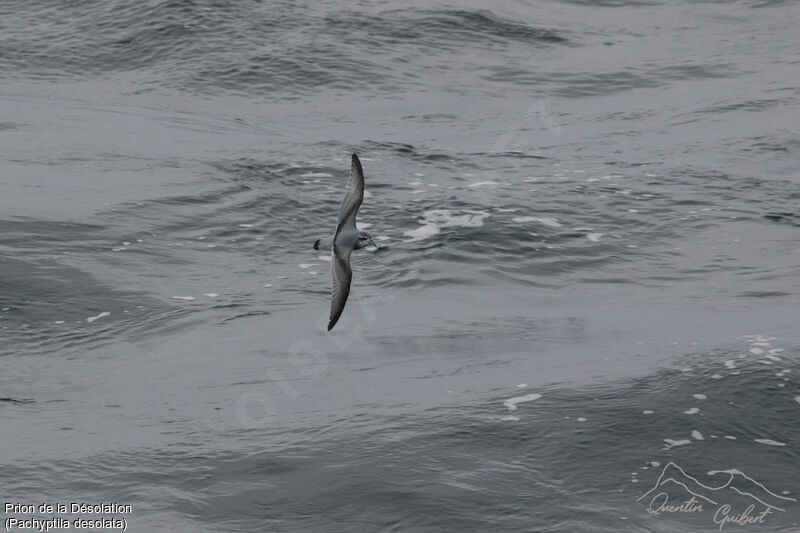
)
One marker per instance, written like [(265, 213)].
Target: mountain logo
[(739, 500)]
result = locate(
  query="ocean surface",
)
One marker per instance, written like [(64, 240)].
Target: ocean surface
[(587, 278)]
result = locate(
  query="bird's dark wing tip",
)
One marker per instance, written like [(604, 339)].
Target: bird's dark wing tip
[(316, 244), (356, 163)]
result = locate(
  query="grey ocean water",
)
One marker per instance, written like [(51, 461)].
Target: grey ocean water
[(588, 215)]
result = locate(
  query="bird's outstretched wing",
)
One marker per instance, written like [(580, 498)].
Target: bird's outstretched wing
[(342, 275), (352, 198)]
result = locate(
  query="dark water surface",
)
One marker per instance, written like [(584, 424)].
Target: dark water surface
[(588, 217)]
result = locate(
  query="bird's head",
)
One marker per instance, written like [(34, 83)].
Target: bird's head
[(365, 239)]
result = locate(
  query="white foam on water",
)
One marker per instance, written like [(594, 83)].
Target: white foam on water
[(547, 221), (730, 364), (436, 219), (482, 184), (522, 385), (510, 418), (716, 376), (769, 442), (696, 435), (268, 284), (655, 464), (211, 294), (364, 225), (511, 403), (692, 411), (681, 442), (382, 238), (316, 175), (773, 357), (756, 351), (700, 396), (580, 419), (764, 361), (797, 399), (647, 412), (446, 218), (245, 225), (307, 265), (97, 317), (423, 232), (324, 258), (730, 437), (58, 322), (185, 298), (594, 237)]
